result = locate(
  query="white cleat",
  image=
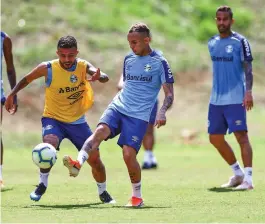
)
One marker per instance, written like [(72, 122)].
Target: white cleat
[(234, 181), (244, 186)]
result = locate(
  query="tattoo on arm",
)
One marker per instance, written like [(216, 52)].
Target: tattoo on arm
[(12, 78), (248, 75), (168, 101), (21, 84), (91, 70)]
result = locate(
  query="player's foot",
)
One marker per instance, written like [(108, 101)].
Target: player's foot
[(147, 166), (2, 184), (39, 191), (72, 165), (244, 186), (234, 181), (135, 202), (106, 198)]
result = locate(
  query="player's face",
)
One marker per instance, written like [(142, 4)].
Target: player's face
[(67, 56), (224, 22), (138, 42)]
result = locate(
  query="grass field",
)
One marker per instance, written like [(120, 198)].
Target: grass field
[(183, 189)]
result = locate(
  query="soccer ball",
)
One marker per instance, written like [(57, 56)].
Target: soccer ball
[(44, 155)]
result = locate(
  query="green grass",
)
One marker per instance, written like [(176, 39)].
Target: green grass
[(183, 189)]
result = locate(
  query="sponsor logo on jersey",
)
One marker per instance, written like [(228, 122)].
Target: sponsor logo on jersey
[(224, 59), (71, 89)]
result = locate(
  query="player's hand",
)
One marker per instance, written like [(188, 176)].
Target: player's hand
[(95, 76), (11, 104), (248, 101), (161, 120)]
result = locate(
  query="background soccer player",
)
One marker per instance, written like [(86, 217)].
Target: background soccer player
[(145, 71), (68, 95), (6, 49), (150, 160), (231, 96)]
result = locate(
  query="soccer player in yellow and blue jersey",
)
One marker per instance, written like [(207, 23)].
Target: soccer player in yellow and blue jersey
[(68, 95), (6, 50), (231, 96), (145, 71)]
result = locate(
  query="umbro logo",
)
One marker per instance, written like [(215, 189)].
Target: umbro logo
[(76, 95)]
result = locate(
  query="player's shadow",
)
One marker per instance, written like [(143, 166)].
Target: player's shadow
[(221, 189), (92, 205), (6, 189), (71, 206)]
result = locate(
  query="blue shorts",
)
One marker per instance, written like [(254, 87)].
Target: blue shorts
[(131, 130), (153, 114), (76, 133), (226, 117), (3, 100)]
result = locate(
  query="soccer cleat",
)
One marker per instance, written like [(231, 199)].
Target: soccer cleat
[(135, 202), (39, 191), (72, 165), (2, 184), (147, 166), (244, 186), (106, 198), (234, 181)]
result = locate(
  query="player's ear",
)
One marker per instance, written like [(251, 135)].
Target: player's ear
[(147, 40), (232, 21), (57, 52)]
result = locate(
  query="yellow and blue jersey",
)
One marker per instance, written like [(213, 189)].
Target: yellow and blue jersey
[(68, 95)]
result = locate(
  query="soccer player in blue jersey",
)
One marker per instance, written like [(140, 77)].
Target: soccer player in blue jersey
[(144, 71), (231, 97), (6, 50), (150, 161)]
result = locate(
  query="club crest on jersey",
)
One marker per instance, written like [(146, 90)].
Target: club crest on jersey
[(229, 49), (147, 67), (73, 78)]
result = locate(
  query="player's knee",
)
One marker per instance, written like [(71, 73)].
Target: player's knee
[(242, 137), (94, 159), (129, 154), (102, 132), (216, 140), (51, 139)]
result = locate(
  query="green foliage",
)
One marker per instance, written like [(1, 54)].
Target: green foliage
[(101, 26)]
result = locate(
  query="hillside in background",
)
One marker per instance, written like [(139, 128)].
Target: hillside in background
[(180, 29)]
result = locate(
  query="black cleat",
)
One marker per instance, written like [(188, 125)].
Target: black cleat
[(39, 191), (106, 198)]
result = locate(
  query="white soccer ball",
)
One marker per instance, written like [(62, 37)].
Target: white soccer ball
[(44, 155)]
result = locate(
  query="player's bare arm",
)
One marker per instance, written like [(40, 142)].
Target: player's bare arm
[(120, 83), (248, 99), (96, 74), (10, 68), (168, 101), (39, 71)]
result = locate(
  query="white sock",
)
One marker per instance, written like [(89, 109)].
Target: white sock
[(137, 190), (238, 171), (44, 178), (1, 176), (248, 174), (82, 157), (101, 187), (147, 156)]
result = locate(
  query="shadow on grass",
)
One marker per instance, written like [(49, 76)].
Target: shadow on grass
[(221, 189), (91, 205), (5, 189)]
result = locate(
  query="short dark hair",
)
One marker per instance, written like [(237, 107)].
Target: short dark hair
[(140, 28), (225, 8), (67, 42)]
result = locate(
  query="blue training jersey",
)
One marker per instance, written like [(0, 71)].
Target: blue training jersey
[(143, 77), (228, 55), (3, 35)]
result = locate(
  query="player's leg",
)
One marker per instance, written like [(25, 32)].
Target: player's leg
[(217, 128), (132, 133), (52, 135), (149, 142), (236, 117), (107, 128), (2, 152), (78, 134)]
